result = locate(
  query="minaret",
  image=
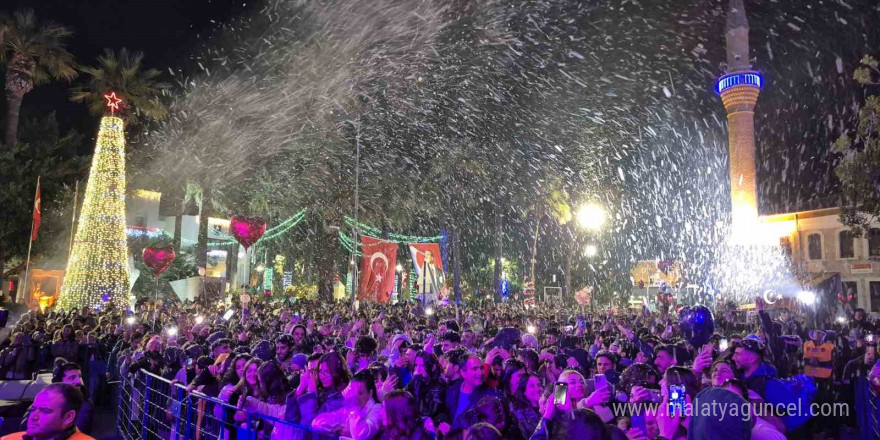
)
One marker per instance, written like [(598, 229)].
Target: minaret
[(739, 89)]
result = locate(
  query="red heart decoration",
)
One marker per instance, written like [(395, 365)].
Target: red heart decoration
[(247, 230), (158, 258)]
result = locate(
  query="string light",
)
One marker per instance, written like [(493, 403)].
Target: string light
[(97, 272), (270, 233), (398, 238)]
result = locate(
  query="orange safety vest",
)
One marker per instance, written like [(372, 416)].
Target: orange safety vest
[(77, 435), (817, 359)]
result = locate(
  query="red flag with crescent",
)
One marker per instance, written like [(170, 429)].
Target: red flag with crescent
[(38, 213), (378, 264)]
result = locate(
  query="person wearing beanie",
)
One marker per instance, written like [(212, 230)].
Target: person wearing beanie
[(298, 362), (717, 414), (529, 340), (749, 358)]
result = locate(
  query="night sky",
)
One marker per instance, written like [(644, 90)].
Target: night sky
[(806, 50), (167, 31)]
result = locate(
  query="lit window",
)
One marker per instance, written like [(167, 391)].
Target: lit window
[(847, 249), (874, 242), (814, 245)]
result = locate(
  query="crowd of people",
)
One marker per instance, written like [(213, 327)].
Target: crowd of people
[(407, 371)]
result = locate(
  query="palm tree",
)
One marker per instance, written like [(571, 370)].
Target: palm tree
[(35, 53), (121, 72)]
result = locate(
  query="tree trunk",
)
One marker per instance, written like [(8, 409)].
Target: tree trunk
[(3, 287), (498, 252), (12, 109), (456, 266), (232, 264), (178, 235), (567, 291), (327, 262), (535, 251), (204, 213)]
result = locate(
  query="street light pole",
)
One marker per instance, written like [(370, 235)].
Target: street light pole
[(591, 217), (354, 230)]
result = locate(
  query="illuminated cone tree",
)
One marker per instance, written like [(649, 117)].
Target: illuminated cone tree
[(97, 272)]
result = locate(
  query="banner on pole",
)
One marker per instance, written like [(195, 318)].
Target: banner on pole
[(430, 280), (420, 250), (38, 213), (378, 264)]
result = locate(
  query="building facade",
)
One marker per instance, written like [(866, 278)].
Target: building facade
[(822, 246)]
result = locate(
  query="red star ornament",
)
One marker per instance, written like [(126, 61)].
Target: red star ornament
[(112, 102)]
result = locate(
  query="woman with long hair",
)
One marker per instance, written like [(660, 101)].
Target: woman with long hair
[(525, 404), (230, 383), (248, 387), (513, 371), (320, 392), (426, 387), (402, 420), (273, 383)]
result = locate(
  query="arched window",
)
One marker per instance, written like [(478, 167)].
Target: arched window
[(874, 242), (847, 248), (814, 246)]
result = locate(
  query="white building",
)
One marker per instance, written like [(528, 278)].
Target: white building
[(822, 246), (144, 217)]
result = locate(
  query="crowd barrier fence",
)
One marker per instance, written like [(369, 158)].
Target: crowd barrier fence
[(867, 404), (153, 408)]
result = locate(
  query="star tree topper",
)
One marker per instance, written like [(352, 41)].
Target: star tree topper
[(112, 102)]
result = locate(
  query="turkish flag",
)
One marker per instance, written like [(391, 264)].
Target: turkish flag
[(378, 263), (38, 214)]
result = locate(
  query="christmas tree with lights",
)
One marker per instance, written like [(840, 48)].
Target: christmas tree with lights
[(97, 272)]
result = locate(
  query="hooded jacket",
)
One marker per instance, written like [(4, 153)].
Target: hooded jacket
[(717, 414), (759, 379)]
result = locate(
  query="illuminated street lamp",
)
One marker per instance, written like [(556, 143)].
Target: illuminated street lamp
[(806, 297), (591, 216), (591, 250)]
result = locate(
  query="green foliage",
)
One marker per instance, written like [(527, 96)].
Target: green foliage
[(183, 266), (859, 167), (41, 151), (122, 72), (481, 276), (42, 43)]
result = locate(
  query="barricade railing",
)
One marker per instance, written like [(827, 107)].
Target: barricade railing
[(153, 408), (867, 404)]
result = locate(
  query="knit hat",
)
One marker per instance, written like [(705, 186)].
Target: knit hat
[(529, 340), (752, 345), (262, 350), (300, 360), (403, 336), (216, 336), (730, 422)]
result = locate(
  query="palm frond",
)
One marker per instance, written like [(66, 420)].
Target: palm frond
[(122, 71)]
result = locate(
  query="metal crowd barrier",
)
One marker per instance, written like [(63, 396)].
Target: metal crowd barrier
[(867, 407), (152, 408)]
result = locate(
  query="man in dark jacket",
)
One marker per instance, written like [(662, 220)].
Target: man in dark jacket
[(749, 358), (463, 395)]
